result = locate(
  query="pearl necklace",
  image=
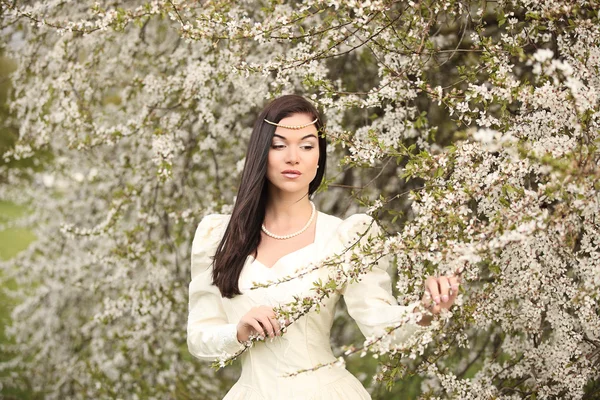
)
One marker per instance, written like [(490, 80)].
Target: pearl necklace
[(291, 235)]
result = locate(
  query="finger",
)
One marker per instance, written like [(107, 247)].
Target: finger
[(432, 286), (433, 308), (276, 325), (426, 300), (269, 313), (256, 326), (454, 284), (444, 288), (266, 323)]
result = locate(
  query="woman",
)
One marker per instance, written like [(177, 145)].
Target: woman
[(274, 229)]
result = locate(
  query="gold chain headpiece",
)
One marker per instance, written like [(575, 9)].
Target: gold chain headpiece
[(291, 126)]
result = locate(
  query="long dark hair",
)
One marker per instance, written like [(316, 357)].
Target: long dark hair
[(242, 235)]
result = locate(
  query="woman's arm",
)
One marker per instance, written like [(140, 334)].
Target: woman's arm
[(209, 333), (370, 301), (371, 304)]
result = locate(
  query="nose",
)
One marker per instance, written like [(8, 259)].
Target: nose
[(291, 156)]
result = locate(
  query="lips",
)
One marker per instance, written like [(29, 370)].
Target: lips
[(291, 173)]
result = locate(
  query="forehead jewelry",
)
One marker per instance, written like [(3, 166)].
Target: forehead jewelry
[(291, 126)]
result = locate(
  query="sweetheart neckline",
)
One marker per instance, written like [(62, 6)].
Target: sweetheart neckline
[(254, 260)]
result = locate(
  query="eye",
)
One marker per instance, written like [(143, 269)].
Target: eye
[(307, 147), (277, 146)]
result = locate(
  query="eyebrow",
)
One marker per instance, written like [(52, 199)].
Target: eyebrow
[(305, 137)]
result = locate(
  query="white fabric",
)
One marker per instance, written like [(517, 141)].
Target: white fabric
[(212, 319)]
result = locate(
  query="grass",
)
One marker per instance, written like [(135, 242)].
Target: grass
[(12, 241), (10, 211)]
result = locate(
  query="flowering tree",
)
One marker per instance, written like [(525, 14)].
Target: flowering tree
[(469, 130)]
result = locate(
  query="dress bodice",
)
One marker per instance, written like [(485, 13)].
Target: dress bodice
[(212, 321)]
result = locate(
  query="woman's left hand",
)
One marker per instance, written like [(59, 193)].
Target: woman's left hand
[(440, 294)]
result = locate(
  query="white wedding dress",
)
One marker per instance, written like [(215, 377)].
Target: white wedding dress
[(213, 319)]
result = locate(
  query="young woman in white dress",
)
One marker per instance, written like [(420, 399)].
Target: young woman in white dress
[(274, 230)]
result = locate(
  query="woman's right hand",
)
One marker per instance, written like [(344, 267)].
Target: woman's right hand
[(259, 320)]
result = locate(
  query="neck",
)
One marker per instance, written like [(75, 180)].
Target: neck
[(287, 210)]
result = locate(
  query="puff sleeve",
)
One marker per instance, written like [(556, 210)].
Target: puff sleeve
[(209, 333), (370, 301)]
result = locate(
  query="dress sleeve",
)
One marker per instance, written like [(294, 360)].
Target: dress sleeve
[(209, 333), (370, 301)]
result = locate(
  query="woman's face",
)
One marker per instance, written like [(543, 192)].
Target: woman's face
[(294, 155)]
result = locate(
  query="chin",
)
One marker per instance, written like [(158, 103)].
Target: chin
[(291, 187)]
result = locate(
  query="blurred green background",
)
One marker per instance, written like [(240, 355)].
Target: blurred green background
[(12, 239)]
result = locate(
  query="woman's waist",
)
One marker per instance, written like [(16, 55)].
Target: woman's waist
[(285, 356), (291, 372)]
